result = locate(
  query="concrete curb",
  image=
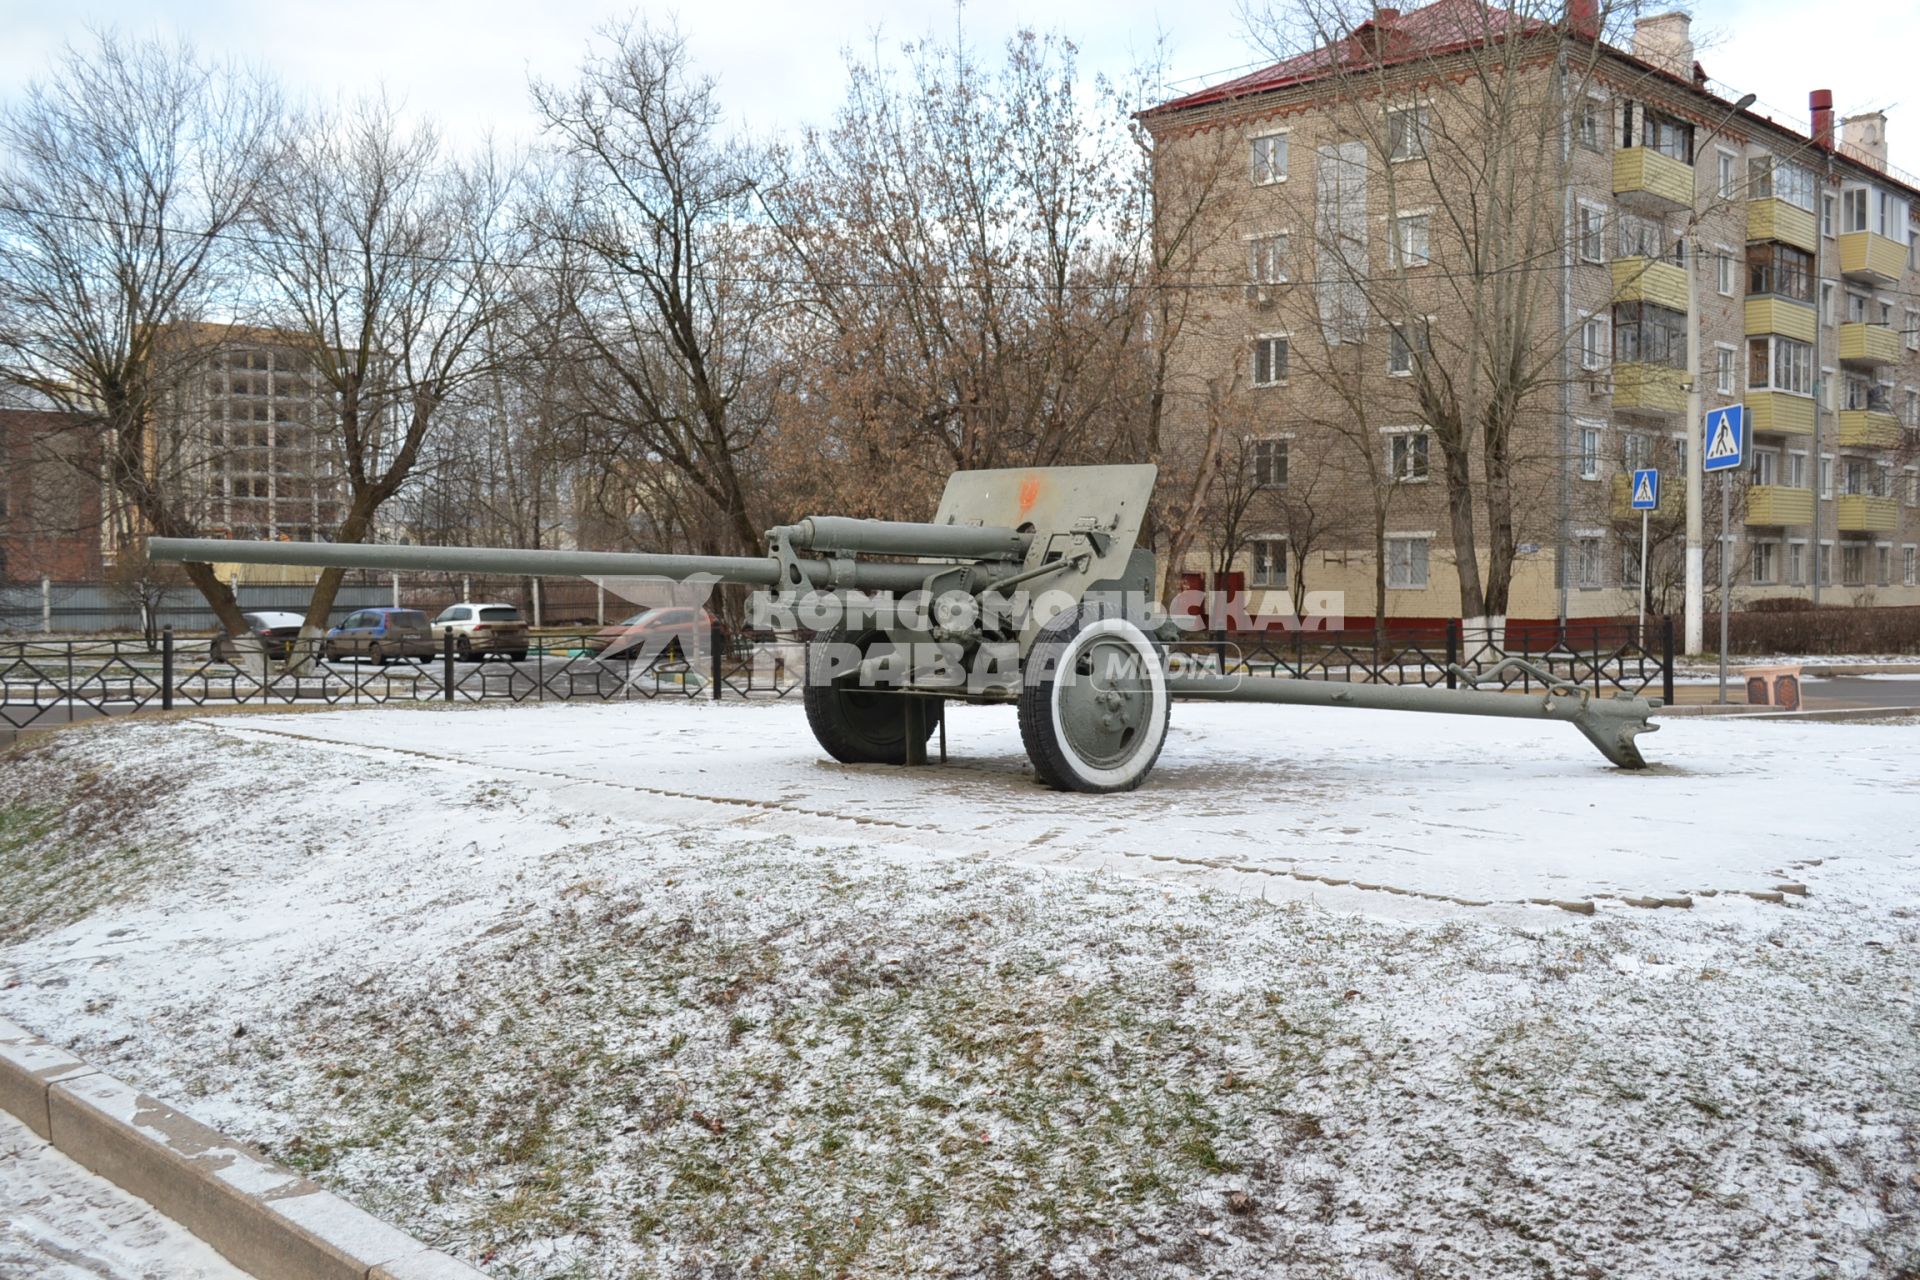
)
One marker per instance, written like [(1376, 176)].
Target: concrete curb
[(264, 1218), (1837, 715)]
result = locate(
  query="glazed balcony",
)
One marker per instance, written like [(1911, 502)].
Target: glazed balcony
[(1658, 388), (1650, 180), (1649, 280), (1868, 429), (1864, 513), (1871, 258), (1776, 504), (1868, 344), (1772, 219), (1779, 412)]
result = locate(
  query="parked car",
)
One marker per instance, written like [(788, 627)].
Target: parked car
[(479, 629), (276, 631), (656, 635), (381, 636)]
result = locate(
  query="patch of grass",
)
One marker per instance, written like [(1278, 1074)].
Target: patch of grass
[(63, 853)]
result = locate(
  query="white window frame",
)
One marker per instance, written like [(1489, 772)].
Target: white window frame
[(1598, 232), (1726, 368), (1796, 562), (1883, 564), (1910, 565), (1257, 163), (1594, 108), (1589, 548), (1264, 267), (1727, 173), (1394, 469), (1394, 565), (1397, 344), (1253, 359), (1726, 270), (1254, 461), (1910, 329), (1259, 548), (1403, 223), (1589, 431), (1422, 112), (1594, 357), (1826, 477), (1771, 549), (1796, 473)]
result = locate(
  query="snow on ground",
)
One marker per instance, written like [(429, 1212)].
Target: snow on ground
[(657, 990), (59, 1222)]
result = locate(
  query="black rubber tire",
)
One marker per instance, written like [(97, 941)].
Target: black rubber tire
[(463, 650), (859, 726), (1056, 762), (518, 655), (378, 656)]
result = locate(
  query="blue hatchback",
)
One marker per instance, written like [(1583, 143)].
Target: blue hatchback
[(381, 635)]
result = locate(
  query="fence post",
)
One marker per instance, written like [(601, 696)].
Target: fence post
[(1453, 652), (446, 662), (46, 605), (715, 643), (1666, 659), (166, 667)]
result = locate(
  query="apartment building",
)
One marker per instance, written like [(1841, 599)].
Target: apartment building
[(49, 498), (1356, 237)]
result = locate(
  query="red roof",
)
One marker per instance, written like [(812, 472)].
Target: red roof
[(1387, 38)]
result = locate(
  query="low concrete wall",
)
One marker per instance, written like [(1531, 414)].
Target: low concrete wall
[(263, 1217)]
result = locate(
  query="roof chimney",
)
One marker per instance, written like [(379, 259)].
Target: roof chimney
[(1666, 41), (1864, 138), (1820, 105), (1583, 18)]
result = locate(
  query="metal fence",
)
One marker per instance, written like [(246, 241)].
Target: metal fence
[(70, 608), (55, 681)]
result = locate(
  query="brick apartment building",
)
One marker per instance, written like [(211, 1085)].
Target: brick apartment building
[(1634, 173), (49, 499)]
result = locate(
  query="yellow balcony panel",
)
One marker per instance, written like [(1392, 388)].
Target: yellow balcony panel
[(1649, 280), (1643, 176), (1780, 412), (1869, 344), (1768, 314), (1868, 256), (1776, 504), (1771, 219), (1862, 513), (1658, 387), (1868, 429)]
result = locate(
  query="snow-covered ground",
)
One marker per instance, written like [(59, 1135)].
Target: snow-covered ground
[(659, 990), (59, 1222)]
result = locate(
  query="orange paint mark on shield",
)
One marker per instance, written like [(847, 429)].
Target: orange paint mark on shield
[(1029, 493)]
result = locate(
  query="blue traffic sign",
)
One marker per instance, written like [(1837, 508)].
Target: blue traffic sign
[(1646, 490), (1726, 439)]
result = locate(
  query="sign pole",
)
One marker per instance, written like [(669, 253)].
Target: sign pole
[(1726, 497), (1640, 627)]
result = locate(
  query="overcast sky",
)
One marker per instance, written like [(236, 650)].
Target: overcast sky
[(779, 63)]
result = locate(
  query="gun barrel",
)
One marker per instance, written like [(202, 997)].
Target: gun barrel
[(755, 571), (906, 538)]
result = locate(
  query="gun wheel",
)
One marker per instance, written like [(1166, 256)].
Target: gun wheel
[(856, 725), (1093, 704)]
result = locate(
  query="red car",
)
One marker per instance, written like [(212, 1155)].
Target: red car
[(657, 635)]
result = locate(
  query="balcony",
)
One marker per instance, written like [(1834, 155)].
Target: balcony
[(1871, 258), (1649, 280), (1771, 219), (1659, 388), (1767, 313), (1869, 344), (1776, 504), (1644, 177), (1864, 513), (1780, 412), (1868, 429)]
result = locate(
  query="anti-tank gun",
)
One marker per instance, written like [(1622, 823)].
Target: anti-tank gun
[(1026, 588)]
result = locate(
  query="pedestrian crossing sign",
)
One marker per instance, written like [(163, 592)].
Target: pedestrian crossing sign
[(1726, 439), (1646, 490)]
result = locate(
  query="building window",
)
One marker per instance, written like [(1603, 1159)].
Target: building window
[(1726, 364), (1829, 211), (1883, 561), (1593, 124), (1726, 270), (1853, 209), (1266, 261), (1269, 361), (1910, 565), (1589, 453), (1766, 563), (1592, 236), (1636, 450), (1589, 564), (1829, 303), (1826, 477), (1269, 463), (1267, 157), (1407, 133), (1770, 177), (1593, 342), (1649, 334), (1823, 564), (1910, 329), (1670, 137), (1407, 455), (1269, 563), (1729, 175), (1856, 478), (1796, 564), (1403, 344), (1766, 466), (1641, 237), (1410, 247), (1407, 563), (1779, 269), (1796, 470), (1780, 364), (1853, 564)]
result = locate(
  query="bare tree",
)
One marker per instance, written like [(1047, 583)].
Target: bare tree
[(123, 174), (674, 316), (386, 266)]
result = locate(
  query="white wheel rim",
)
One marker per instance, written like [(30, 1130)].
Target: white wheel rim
[(1155, 728)]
